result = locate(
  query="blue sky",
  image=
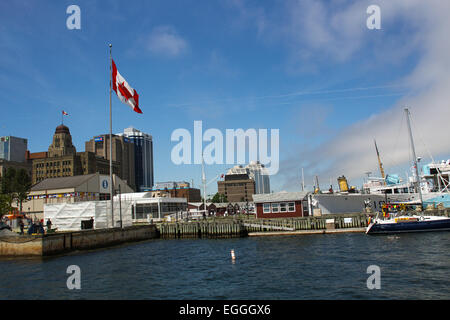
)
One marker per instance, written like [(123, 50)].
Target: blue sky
[(311, 69)]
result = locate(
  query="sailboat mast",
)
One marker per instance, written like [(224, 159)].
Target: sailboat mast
[(413, 149), (204, 184), (379, 163), (303, 181)]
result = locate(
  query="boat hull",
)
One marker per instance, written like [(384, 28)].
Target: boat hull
[(400, 227)]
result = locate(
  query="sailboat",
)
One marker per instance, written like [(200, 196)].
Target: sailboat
[(409, 223)]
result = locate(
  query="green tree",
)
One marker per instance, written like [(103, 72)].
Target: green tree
[(14, 185), (7, 189), (21, 186), (219, 198), (5, 204), (7, 183)]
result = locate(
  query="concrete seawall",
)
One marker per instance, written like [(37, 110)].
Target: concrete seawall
[(62, 242)]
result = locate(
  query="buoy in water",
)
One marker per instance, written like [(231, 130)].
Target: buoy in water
[(233, 257)]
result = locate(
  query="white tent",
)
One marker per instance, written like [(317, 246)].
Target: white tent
[(68, 216)]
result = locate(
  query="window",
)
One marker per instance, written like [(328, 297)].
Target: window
[(291, 206), (266, 208), (275, 207), (283, 207)]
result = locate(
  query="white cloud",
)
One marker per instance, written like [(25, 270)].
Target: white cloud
[(165, 41), (351, 152)]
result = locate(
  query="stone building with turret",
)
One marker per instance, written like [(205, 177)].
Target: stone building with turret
[(63, 160)]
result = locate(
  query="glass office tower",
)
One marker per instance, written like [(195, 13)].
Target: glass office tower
[(143, 157)]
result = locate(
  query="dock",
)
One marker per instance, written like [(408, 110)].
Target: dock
[(242, 226), (203, 229)]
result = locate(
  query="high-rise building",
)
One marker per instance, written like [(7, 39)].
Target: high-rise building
[(122, 153), (255, 171), (13, 148), (259, 173), (13, 154), (143, 157)]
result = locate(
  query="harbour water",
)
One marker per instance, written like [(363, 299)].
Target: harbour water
[(413, 266)]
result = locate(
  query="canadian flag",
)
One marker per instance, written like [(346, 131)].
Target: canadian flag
[(65, 113), (123, 90)]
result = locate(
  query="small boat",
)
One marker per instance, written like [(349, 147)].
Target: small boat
[(404, 223)]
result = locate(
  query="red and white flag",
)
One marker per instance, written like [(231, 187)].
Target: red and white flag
[(65, 113), (124, 91)]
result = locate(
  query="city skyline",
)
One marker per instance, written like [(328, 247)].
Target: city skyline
[(311, 69)]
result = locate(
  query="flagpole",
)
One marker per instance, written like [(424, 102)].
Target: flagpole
[(111, 184)]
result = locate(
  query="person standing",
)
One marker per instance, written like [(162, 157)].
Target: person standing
[(21, 225), (41, 226), (49, 224)]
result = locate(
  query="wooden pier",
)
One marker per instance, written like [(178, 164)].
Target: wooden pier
[(242, 226), (327, 222), (205, 229)]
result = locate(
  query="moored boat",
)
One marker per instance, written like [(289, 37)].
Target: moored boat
[(414, 223)]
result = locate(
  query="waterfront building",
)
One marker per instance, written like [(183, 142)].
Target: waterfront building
[(145, 207), (191, 194), (143, 157), (122, 153), (13, 149), (171, 185), (175, 189), (90, 187), (281, 205), (197, 209), (237, 187)]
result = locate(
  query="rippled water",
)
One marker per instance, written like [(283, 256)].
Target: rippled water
[(413, 266)]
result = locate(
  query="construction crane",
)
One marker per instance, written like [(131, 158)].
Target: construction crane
[(379, 163)]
